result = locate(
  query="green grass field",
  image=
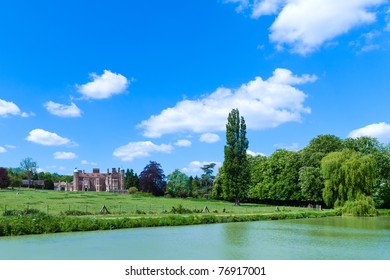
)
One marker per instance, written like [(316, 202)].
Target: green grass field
[(54, 203)]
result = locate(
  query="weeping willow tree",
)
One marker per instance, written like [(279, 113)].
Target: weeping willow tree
[(349, 176)]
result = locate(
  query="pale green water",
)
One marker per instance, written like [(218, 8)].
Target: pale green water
[(308, 239)]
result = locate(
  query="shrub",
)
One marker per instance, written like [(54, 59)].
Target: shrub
[(362, 206), (132, 190)]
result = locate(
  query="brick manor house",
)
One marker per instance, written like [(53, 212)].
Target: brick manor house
[(96, 181)]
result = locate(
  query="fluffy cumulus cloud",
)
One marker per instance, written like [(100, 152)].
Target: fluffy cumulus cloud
[(2, 150), (381, 131), (305, 25), (104, 86), (140, 149), (62, 110), (183, 143), (195, 166), (209, 138), (64, 155), (10, 109), (46, 138), (263, 103)]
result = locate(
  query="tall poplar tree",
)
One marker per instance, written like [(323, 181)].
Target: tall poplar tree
[(235, 182)]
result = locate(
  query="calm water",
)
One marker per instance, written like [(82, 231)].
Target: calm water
[(317, 239)]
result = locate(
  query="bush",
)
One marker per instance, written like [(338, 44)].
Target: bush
[(362, 206), (132, 190)]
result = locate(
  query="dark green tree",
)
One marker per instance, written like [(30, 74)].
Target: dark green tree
[(131, 179), (207, 179), (236, 168), (4, 178)]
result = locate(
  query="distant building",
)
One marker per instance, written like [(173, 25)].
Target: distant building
[(63, 186), (100, 182), (33, 183)]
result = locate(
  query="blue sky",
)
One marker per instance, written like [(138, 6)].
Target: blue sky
[(119, 83)]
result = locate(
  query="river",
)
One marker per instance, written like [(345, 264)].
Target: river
[(333, 238)]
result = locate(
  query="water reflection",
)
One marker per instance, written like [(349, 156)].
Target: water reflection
[(325, 238)]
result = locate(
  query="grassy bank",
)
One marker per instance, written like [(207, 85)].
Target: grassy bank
[(39, 223)]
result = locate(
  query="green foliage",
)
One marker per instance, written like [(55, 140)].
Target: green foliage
[(361, 206), (276, 177), (207, 179), (178, 184), (311, 183), (236, 167), (318, 148), (132, 190), (4, 178), (131, 179), (347, 174)]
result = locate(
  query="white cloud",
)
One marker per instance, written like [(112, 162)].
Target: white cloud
[(2, 150), (243, 4), (62, 110), (64, 155), (9, 108), (46, 138), (209, 138), (85, 162), (183, 143), (104, 86), (305, 25), (140, 149), (194, 166), (263, 103), (266, 7), (249, 152), (381, 131)]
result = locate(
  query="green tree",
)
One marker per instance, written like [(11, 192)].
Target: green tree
[(216, 192), (4, 178), (279, 176), (48, 179), (310, 178), (347, 175), (311, 183), (178, 184), (381, 153), (131, 179), (29, 167), (207, 179), (236, 167)]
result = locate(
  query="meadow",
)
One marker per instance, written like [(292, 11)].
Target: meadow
[(28, 211), (55, 203)]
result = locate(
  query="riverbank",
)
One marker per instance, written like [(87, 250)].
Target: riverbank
[(42, 223)]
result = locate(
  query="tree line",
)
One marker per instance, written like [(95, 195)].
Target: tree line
[(330, 171)]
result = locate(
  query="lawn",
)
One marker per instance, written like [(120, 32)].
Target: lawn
[(55, 202)]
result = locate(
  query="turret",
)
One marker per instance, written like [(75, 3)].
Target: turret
[(76, 180)]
